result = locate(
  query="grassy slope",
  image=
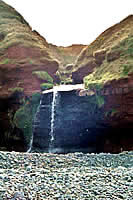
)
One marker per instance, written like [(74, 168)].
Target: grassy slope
[(108, 39), (117, 39), (15, 31), (116, 69)]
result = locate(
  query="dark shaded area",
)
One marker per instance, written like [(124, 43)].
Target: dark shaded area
[(117, 139), (11, 138), (2, 36)]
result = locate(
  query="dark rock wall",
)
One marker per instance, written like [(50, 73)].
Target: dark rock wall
[(41, 124), (84, 123), (76, 124)]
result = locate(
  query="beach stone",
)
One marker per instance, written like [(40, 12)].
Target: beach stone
[(67, 176)]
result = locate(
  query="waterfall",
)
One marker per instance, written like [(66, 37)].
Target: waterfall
[(54, 102), (30, 146), (36, 120)]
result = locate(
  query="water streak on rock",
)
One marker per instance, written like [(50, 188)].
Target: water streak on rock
[(55, 97), (36, 122), (30, 146)]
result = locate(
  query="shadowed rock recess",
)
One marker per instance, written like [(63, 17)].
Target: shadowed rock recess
[(96, 116)]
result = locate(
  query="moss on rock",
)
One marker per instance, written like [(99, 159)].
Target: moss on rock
[(16, 89), (46, 86), (43, 75), (25, 114)]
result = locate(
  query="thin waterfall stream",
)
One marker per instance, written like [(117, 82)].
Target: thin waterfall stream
[(54, 102), (30, 146), (48, 121), (36, 120)]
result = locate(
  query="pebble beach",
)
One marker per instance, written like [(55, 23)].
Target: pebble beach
[(75, 176)]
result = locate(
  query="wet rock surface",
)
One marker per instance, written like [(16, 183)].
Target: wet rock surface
[(78, 124), (72, 176)]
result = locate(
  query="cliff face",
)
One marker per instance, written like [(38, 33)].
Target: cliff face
[(29, 65), (22, 51), (107, 56), (77, 125), (111, 78), (89, 123), (66, 57), (25, 64)]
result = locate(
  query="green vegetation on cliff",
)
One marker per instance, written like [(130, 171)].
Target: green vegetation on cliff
[(16, 89), (117, 64), (24, 116), (15, 31), (7, 11), (109, 57), (46, 86), (43, 76), (118, 68)]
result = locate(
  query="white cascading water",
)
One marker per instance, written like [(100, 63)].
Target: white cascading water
[(31, 140), (30, 146), (55, 91), (54, 102)]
